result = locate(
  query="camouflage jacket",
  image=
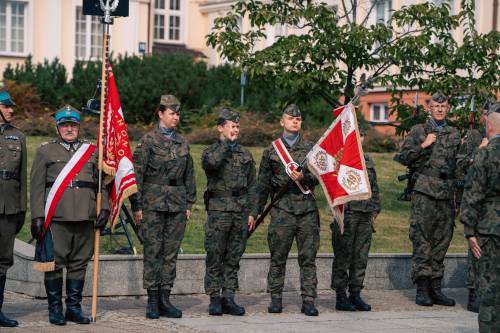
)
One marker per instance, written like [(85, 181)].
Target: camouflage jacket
[(371, 205), (76, 204), (13, 181), (165, 173), (231, 182), (435, 165), (480, 210), (465, 157), (272, 176)]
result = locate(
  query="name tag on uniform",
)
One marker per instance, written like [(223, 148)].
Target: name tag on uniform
[(11, 137)]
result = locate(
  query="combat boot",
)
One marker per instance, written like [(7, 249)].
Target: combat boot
[(53, 289), (215, 307), (309, 309), (276, 305), (423, 297), (166, 308), (230, 307), (152, 310), (473, 303), (359, 303), (437, 294), (343, 303), (74, 312), (4, 321)]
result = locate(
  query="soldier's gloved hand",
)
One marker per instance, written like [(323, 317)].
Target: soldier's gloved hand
[(20, 221), (102, 219), (37, 228)]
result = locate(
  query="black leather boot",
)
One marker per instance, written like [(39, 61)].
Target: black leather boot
[(230, 307), (152, 309), (359, 303), (309, 309), (473, 303), (53, 289), (166, 308), (215, 307), (423, 296), (343, 303), (74, 312), (276, 305), (437, 294), (4, 321)]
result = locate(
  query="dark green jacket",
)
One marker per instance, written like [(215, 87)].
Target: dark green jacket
[(76, 204), (231, 181), (272, 176), (13, 159), (371, 205), (480, 210), (436, 164), (165, 173)]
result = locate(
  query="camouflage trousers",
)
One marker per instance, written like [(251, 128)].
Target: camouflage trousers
[(488, 269), (162, 233), (7, 238), (471, 271), (283, 229), (351, 251), (431, 231), (225, 241)]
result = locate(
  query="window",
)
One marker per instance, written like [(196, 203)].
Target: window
[(168, 21), (379, 112), (88, 36), (382, 11), (13, 27)]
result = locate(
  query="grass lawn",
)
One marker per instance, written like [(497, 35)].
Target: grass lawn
[(391, 225)]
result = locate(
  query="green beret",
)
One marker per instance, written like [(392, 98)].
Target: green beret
[(171, 102), (439, 97), (292, 110), (228, 114)]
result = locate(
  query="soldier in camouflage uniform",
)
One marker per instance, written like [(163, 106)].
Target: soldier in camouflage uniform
[(231, 183), (474, 139), (162, 205), (431, 148), (13, 184), (480, 214), (295, 215), (72, 226), (351, 248)]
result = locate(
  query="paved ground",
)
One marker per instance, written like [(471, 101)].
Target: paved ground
[(393, 311)]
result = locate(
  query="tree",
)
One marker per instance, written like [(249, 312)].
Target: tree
[(331, 49)]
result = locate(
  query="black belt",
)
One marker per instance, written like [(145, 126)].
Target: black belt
[(76, 184), (437, 174), (8, 175), (169, 182), (228, 193), (293, 188)]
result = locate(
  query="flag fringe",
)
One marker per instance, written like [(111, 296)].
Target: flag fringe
[(108, 169), (125, 194)]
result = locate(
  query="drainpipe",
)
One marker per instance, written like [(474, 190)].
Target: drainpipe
[(495, 15)]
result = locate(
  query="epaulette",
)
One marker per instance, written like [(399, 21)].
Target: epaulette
[(47, 142), (85, 141)]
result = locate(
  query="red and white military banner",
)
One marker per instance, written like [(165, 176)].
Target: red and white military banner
[(64, 178), (288, 162), (337, 161), (117, 156)]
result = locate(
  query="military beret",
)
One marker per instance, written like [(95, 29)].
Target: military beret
[(494, 108), (228, 114), (67, 114), (292, 110), (439, 97), (5, 98), (171, 102)]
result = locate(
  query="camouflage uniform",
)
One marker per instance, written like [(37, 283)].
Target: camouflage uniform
[(432, 202), (295, 215), (166, 189), (351, 248), (231, 185), (480, 214)]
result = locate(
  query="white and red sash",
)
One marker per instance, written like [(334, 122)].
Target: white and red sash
[(70, 170), (288, 162)]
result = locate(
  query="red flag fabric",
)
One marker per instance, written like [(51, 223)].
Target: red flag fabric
[(117, 156), (337, 161)]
